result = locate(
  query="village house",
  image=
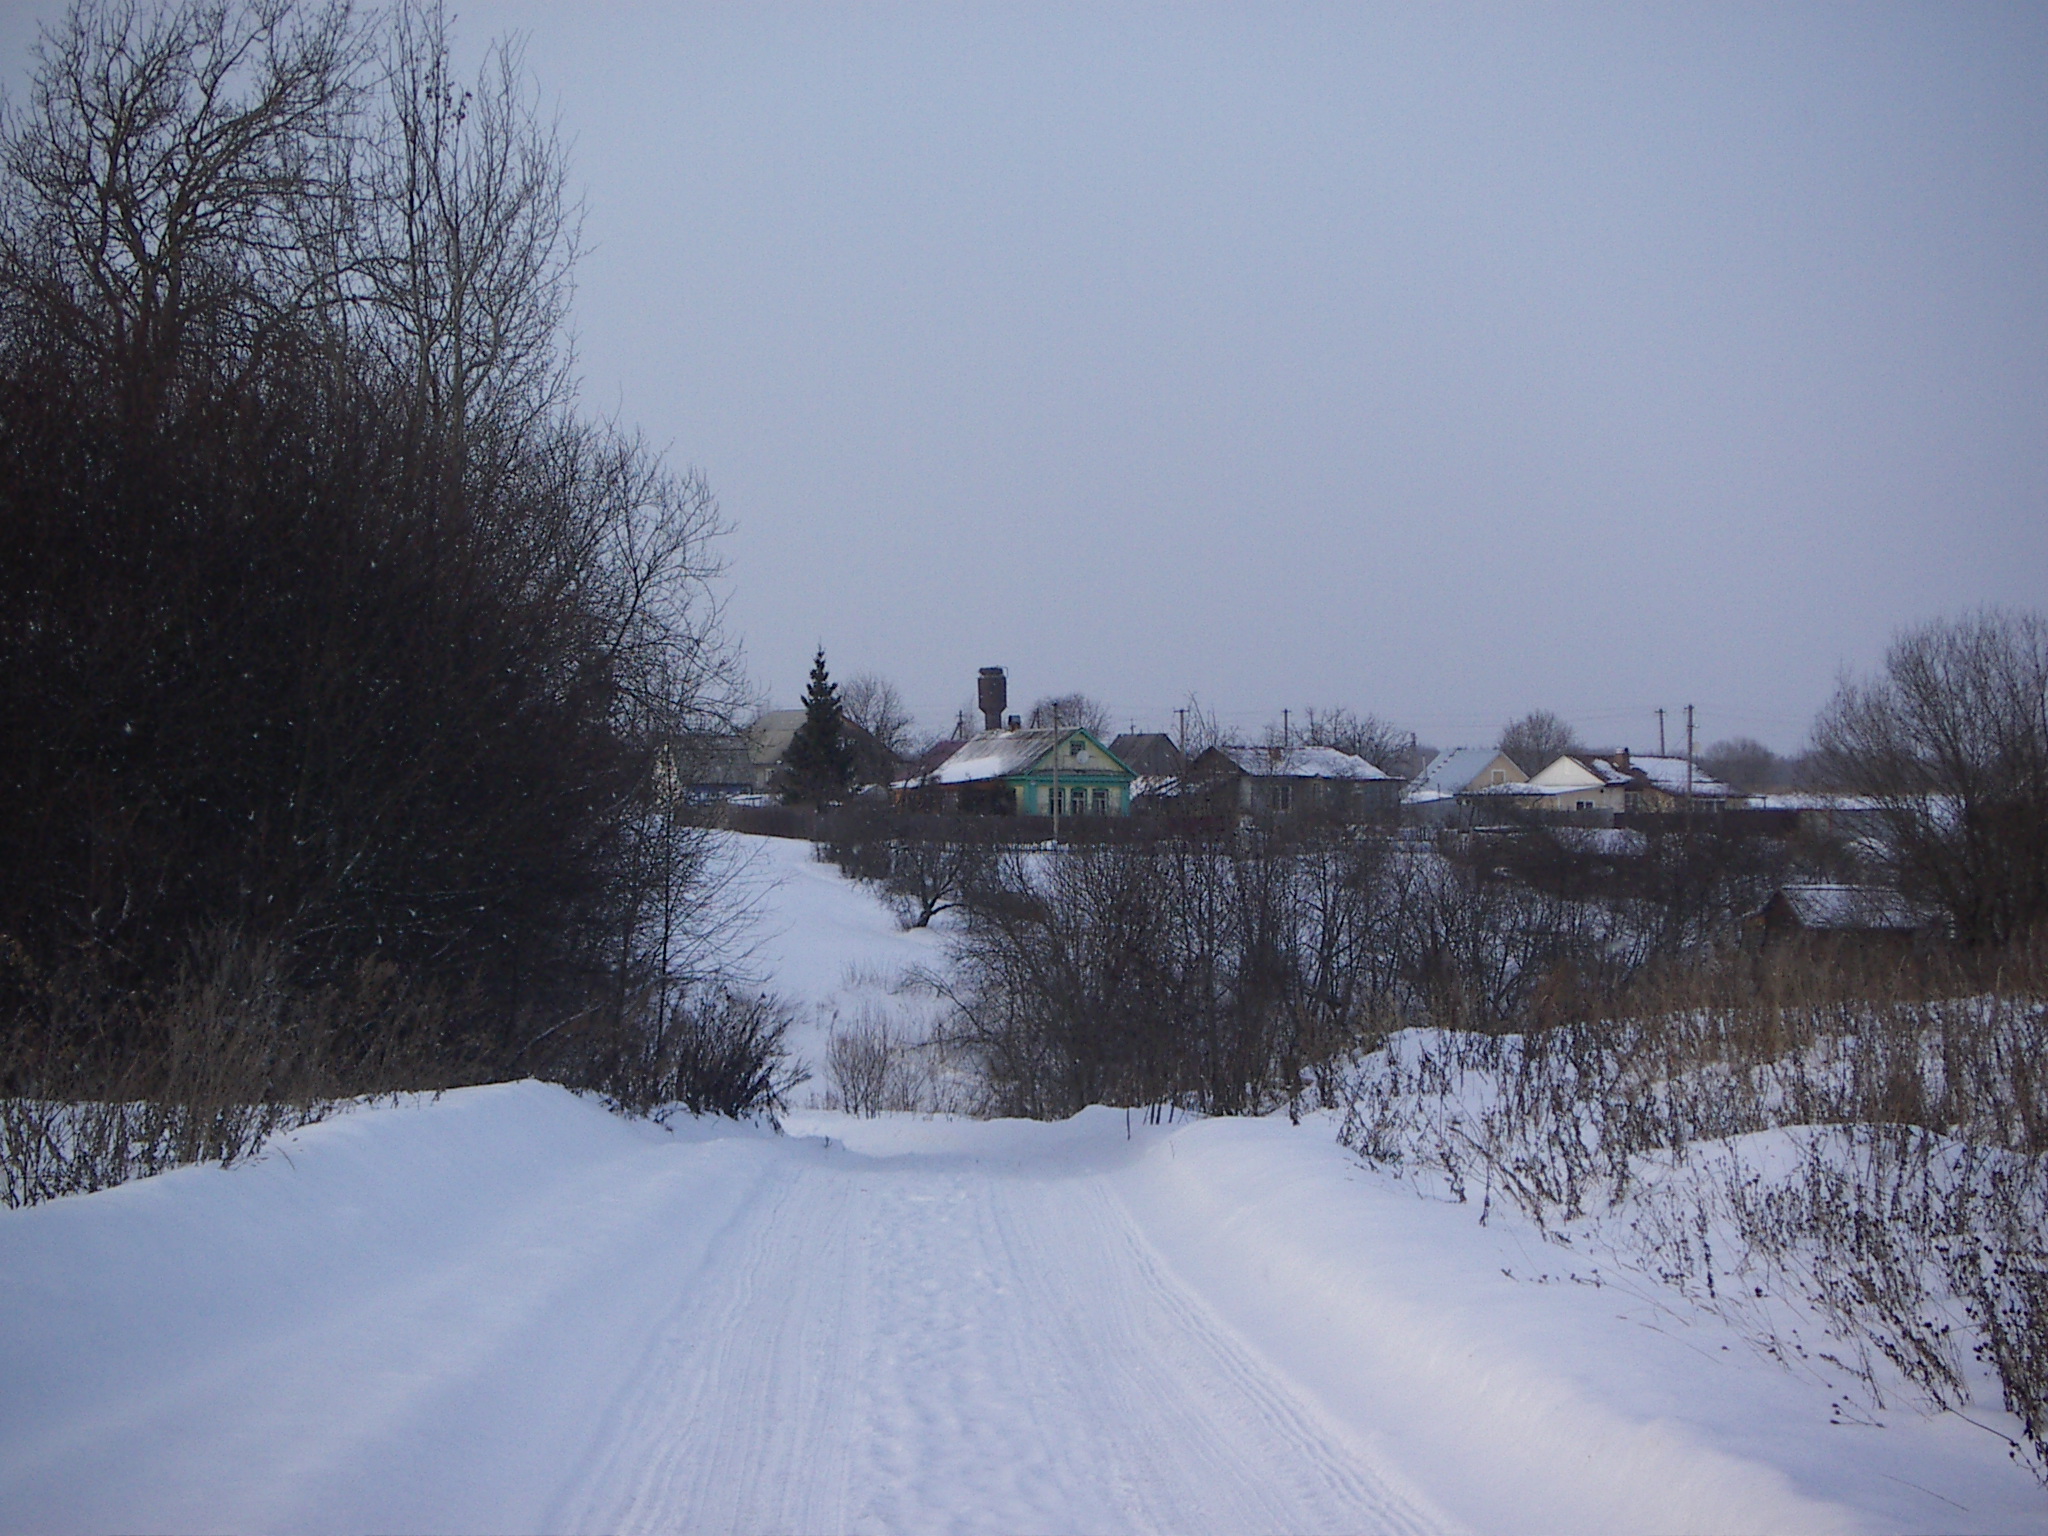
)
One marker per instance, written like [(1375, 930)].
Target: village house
[(1156, 759), (1869, 916), (1015, 772), (1288, 781), (1619, 781), (1432, 795)]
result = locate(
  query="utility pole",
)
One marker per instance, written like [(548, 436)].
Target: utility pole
[(1284, 743), (1182, 716), (1660, 730), (1055, 775), (1688, 759)]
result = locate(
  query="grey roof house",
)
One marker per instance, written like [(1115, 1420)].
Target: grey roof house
[(1289, 782)]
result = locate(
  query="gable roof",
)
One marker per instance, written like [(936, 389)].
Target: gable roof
[(1003, 754), (770, 735), (1460, 768), (1850, 907), (1668, 774), (1295, 763), (1625, 770), (768, 738), (1149, 754), (1579, 770)]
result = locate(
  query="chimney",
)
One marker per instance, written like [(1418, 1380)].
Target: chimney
[(992, 693), (1016, 722)]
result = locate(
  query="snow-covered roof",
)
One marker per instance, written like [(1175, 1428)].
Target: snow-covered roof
[(1625, 770), (1300, 763), (1668, 774), (995, 755), (1574, 770), (1603, 769), (1853, 907), (999, 754), (1814, 801), (1453, 770)]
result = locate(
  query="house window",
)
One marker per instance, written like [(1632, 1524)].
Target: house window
[(1286, 797), (1498, 776), (1585, 805), (1102, 802)]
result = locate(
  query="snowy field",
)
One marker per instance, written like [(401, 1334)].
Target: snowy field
[(507, 1310)]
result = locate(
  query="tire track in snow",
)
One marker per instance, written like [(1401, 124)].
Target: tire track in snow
[(725, 1426), (923, 1343)]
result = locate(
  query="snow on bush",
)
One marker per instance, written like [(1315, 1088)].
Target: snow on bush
[(1862, 1192)]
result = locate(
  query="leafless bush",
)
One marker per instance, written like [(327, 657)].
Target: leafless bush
[(1908, 1214), (875, 1069), (1218, 976), (861, 1061), (1998, 1265), (714, 1050), (924, 865), (103, 1086)]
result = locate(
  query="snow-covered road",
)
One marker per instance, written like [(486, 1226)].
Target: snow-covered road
[(508, 1310), (431, 1318), (926, 1342)]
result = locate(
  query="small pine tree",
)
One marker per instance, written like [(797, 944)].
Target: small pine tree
[(818, 767)]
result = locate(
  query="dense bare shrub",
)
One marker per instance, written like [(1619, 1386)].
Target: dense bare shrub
[(876, 1067), (1219, 976), (1908, 1212), (924, 865), (713, 1051), (113, 1084), (1229, 973), (1952, 741)]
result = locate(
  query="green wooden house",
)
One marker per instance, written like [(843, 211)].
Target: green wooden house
[(1028, 773)]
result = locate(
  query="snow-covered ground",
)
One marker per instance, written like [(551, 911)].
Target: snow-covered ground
[(506, 1309), (827, 946)]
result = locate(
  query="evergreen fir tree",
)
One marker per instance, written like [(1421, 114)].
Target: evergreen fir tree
[(818, 766)]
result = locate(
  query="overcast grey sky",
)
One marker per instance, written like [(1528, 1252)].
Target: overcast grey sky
[(1443, 362)]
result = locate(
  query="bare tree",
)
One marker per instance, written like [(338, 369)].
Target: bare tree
[(164, 164), (1199, 728), (326, 617), (871, 702), (1952, 742), (1068, 711), (467, 235), (1536, 740), (1747, 765), (1378, 741)]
